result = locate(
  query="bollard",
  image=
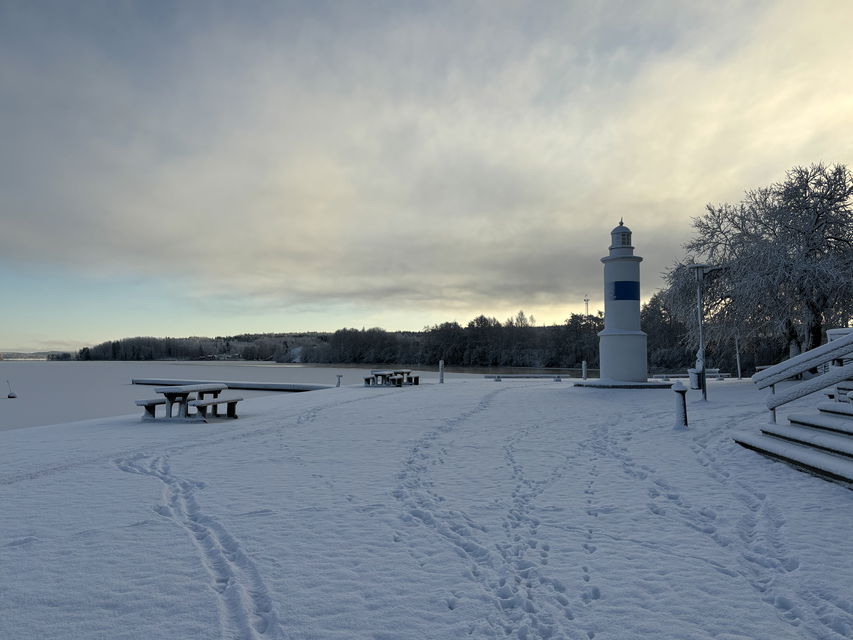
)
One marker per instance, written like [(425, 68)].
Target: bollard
[(497, 379), (680, 405), (441, 372), (583, 369), (339, 380)]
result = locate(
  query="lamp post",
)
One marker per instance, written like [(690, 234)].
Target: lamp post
[(700, 270)]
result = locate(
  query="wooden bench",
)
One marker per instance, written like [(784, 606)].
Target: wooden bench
[(202, 406), (150, 407)]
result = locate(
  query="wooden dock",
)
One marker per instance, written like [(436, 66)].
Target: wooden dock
[(253, 386)]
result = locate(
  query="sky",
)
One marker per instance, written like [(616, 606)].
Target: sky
[(207, 168)]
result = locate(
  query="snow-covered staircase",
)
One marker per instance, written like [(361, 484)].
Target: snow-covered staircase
[(841, 390), (821, 441)]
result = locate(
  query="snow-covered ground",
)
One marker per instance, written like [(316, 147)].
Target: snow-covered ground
[(514, 509)]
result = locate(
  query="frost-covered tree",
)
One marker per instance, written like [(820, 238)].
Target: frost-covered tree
[(781, 260), (666, 348)]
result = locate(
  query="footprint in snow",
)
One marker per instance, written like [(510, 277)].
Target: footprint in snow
[(20, 542)]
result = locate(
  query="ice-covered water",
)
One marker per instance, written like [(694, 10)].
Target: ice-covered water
[(53, 392)]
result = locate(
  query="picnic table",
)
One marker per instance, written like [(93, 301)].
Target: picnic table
[(391, 377), (186, 396)]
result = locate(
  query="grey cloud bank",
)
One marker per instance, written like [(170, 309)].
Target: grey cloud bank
[(454, 158)]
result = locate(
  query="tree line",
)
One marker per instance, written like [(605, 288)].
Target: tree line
[(482, 342), (269, 346)]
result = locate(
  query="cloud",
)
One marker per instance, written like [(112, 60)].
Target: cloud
[(453, 156)]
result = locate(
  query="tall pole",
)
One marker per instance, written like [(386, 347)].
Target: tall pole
[(737, 355), (700, 355), (700, 358), (586, 304)]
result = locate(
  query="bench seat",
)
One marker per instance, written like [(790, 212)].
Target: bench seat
[(145, 403), (202, 406), (150, 407)]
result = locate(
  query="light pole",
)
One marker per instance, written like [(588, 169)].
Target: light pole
[(700, 271)]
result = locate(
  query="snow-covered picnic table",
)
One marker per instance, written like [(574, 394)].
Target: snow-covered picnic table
[(182, 395), (397, 377)]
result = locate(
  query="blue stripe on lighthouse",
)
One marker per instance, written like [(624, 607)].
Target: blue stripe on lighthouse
[(626, 290)]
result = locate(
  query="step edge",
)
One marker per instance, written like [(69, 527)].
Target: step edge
[(822, 446), (835, 476)]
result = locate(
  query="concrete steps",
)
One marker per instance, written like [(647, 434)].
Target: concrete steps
[(819, 442), (825, 464), (826, 421), (840, 408), (832, 442), (841, 391)]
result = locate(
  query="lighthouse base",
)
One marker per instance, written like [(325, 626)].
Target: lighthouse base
[(622, 355)]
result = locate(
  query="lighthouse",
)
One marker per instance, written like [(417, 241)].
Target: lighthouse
[(622, 344)]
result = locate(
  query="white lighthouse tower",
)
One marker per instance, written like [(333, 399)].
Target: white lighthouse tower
[(622, 345)]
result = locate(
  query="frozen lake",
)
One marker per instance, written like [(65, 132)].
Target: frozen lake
[(54, 392)]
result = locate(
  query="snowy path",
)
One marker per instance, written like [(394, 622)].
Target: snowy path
[(245, 607), (474, 509)]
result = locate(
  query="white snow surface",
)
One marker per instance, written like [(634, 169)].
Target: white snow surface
[(520, 509)]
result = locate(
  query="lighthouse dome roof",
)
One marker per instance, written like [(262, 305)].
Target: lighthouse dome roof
[(621, 228)]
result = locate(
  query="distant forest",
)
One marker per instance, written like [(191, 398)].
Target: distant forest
[(483, 342)]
